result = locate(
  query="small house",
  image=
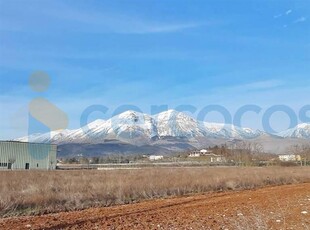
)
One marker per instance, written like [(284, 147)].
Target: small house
[(289, 157), (155, 158)]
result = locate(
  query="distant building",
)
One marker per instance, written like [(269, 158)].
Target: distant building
[(155, 158), (289, 157), (213, 158), (208, 155), (25, 156), (198, 153), (194, 154)]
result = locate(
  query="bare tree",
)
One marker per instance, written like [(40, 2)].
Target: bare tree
[(11, 161), (247, 153), (305, 154), (303, 151)]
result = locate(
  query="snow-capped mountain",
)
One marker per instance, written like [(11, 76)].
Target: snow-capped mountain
[(139, 128), (130, 125), (300, 131), (53, 137), (231, 131), (176, 124)]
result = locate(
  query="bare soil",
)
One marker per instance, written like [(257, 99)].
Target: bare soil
[(279, 207)]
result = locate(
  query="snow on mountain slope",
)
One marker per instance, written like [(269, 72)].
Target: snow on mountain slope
[(300, 131), (134, 127), (230, 131), (139, 128), (129, 125), (177, 124), (54, 137)]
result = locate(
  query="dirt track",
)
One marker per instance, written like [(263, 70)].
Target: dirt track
[(282, 207)]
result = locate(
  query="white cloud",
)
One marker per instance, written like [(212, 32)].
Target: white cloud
[(165, 28), (301, 19), (288, 12), (255, 86), (118, 22), (88, 19), (277, 16), (284, 14)]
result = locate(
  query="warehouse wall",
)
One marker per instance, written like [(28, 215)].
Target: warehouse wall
[(27, 155)]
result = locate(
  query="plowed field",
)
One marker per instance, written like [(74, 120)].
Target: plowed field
[(279, 207)]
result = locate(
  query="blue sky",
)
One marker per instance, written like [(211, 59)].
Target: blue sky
[(147, 53)]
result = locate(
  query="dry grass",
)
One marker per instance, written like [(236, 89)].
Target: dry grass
[(37, 192)]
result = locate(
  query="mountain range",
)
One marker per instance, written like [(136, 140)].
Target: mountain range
[(163, 132)]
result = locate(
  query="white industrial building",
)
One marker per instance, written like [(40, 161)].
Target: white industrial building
[(289, 157), (155, 158), (25, 156)]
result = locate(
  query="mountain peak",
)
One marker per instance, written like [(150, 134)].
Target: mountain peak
[(173, 113), (129, 113), (303, 126), (300, 131), (131, 116), (131, 126), (169, 111)]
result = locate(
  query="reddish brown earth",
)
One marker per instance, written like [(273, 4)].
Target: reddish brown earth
[(281, 207)]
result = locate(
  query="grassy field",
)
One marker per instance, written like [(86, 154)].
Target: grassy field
[(38, 192)]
